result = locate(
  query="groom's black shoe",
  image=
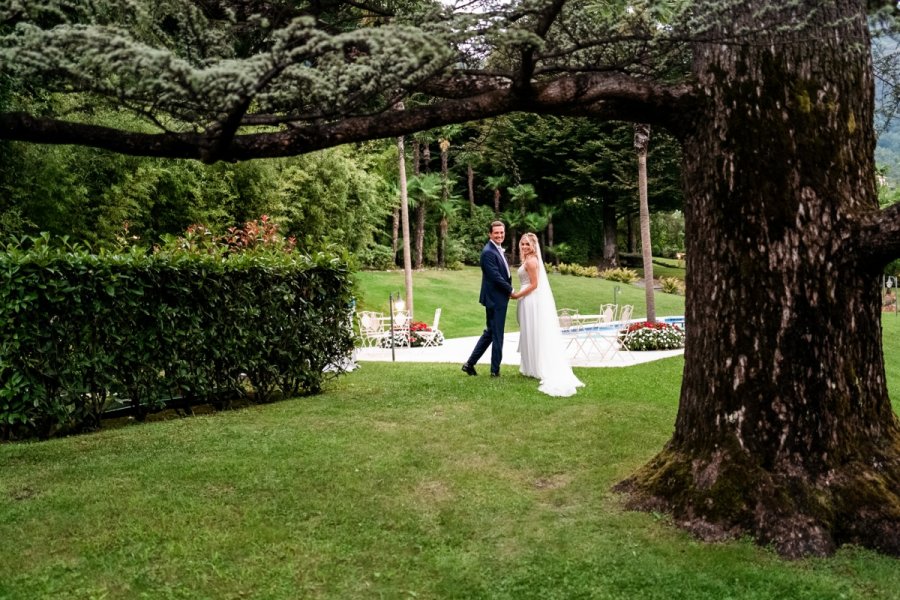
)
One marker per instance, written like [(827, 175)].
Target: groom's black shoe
[(495, 374), (468, 369)]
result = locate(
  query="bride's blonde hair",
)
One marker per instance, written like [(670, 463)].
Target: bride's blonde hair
[(534, 243)]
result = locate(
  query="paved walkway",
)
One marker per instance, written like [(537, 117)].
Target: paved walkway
[(457, 350)]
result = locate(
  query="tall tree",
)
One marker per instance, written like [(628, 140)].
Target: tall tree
[(445, 208), (587, 162), (404, 219), (424, 191), (470, 185), (497, 183), (641, 142), (520, 197), (547, 212), (424, 199), (785, 430)]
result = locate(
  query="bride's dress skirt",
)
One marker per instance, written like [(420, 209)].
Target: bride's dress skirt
[(543, 355)]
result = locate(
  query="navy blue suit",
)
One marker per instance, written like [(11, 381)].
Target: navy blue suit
[(496, 286)]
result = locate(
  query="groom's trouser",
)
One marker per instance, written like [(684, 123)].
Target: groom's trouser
[(492, 336)]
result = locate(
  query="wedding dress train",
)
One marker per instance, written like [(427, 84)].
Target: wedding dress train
[(541, 347)]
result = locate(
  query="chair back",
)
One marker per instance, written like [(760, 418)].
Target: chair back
[(608, 313), (370, 322), (626, 313), (401, 319), (437, 319), (566, 317)]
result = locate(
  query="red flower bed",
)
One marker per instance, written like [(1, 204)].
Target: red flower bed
[(659, 326), (419, 326)]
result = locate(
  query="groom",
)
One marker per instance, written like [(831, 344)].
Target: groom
[(496, 287)]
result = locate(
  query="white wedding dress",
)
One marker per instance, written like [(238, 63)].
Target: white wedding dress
[(541, 346)]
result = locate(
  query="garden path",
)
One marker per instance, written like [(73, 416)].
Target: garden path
[(457, 350)]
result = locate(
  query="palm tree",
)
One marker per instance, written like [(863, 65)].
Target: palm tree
[(446, 133), (470, 157), (496, 182), (424, 191), (641, 141), (423, 152), (511, 218), (548, 212), (395, 192), (520, 196), (537, 222), (446, 209)]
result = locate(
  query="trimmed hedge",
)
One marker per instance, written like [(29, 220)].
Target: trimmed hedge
[(81, 332)]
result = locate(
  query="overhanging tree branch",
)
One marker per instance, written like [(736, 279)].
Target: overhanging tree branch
[(23, 127), (607, 95)]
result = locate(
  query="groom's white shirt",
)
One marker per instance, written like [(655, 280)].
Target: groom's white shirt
[(502, 256)]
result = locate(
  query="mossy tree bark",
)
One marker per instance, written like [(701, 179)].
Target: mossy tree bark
[(784, 429)]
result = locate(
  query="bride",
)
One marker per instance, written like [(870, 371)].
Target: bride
[(540, 341)]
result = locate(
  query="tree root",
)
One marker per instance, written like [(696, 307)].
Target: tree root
[(726, 495)]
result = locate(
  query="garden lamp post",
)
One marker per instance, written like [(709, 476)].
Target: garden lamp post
[(391, 312), (394, 305)]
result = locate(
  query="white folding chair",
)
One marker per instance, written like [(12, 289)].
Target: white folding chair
[(567, 317), (608, 313), (430, 337), (578, 330), (371, 328), (401, 327), (625, 316), (613, 346)]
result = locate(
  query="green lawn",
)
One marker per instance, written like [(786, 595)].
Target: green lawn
[(398, 481), (666, 267)]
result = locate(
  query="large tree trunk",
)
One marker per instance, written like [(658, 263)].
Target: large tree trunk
[(784, 430)]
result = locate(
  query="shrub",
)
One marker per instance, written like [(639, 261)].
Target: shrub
[(193, 322), (622, 275), (561, 252), (377, 258), (652, 336), (456, 255), (671, 285), (578, 270)]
